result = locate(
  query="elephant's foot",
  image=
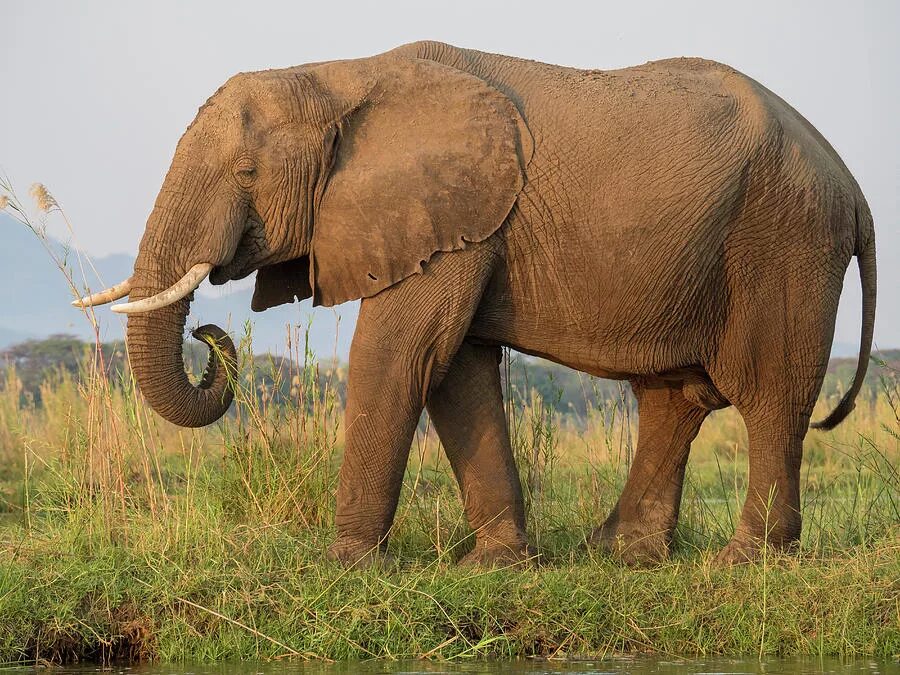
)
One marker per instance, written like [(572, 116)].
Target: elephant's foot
[(633, 542), (494, 554), (356, 555), (738, 552), (746, 548)]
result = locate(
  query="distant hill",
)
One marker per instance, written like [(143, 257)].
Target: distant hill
[(35, 299)]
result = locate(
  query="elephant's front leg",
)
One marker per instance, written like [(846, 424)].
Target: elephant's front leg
[(467, 411), (405, 340)]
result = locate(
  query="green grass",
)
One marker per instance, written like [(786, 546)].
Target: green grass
[(259, 594), (127, 538)]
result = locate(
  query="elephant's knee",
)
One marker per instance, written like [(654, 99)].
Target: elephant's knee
[(414, 370)]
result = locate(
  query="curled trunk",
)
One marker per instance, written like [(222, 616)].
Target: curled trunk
[(155, 342)]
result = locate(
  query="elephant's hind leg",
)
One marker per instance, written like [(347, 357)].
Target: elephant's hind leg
[(770, 365), (771, 512), (641, 525), (467, 411)]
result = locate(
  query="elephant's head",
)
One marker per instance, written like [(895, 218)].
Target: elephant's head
[(333, 181)]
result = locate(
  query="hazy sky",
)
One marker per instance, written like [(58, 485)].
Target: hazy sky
[(96, 95)]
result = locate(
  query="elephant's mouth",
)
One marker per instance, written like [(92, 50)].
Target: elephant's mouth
[(225, 273), (249, 255)]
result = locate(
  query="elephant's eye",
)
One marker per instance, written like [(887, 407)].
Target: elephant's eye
[(245, 171)]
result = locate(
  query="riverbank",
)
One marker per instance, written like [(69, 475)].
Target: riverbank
[(125, 538), (252, 593)]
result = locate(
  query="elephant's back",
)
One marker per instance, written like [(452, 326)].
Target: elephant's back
[(595, 119), (689, 83), (634, 143), (673, 99)]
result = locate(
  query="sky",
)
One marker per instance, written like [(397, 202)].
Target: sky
[(95, 95)]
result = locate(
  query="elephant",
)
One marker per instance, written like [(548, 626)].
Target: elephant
[(673, 224)]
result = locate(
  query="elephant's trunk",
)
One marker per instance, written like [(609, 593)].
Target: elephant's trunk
[(155, 338), (155, 351)]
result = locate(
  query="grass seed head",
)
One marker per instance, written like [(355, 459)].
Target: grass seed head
[(42, 197)]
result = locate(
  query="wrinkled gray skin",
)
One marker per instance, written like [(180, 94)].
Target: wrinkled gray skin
[(675, 224)]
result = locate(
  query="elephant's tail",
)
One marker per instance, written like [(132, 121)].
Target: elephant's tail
[(865, 256)]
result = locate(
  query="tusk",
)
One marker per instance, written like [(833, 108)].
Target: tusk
[(101, 298), (186, 285)]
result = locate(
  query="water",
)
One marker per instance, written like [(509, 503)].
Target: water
[(632, 666)]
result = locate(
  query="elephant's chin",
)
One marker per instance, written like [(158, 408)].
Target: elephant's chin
[(222, 275), (238, 267), (219, 276)]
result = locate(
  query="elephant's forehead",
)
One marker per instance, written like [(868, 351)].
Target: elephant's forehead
[(230, 112), (269, 95), (250, 105)]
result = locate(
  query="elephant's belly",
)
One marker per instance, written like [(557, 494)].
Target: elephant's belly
[(589, 353), (590, 349), (603, 320)]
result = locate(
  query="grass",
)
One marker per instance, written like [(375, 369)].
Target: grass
[(126, 538)]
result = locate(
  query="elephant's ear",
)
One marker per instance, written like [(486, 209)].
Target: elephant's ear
[(427, 159)]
